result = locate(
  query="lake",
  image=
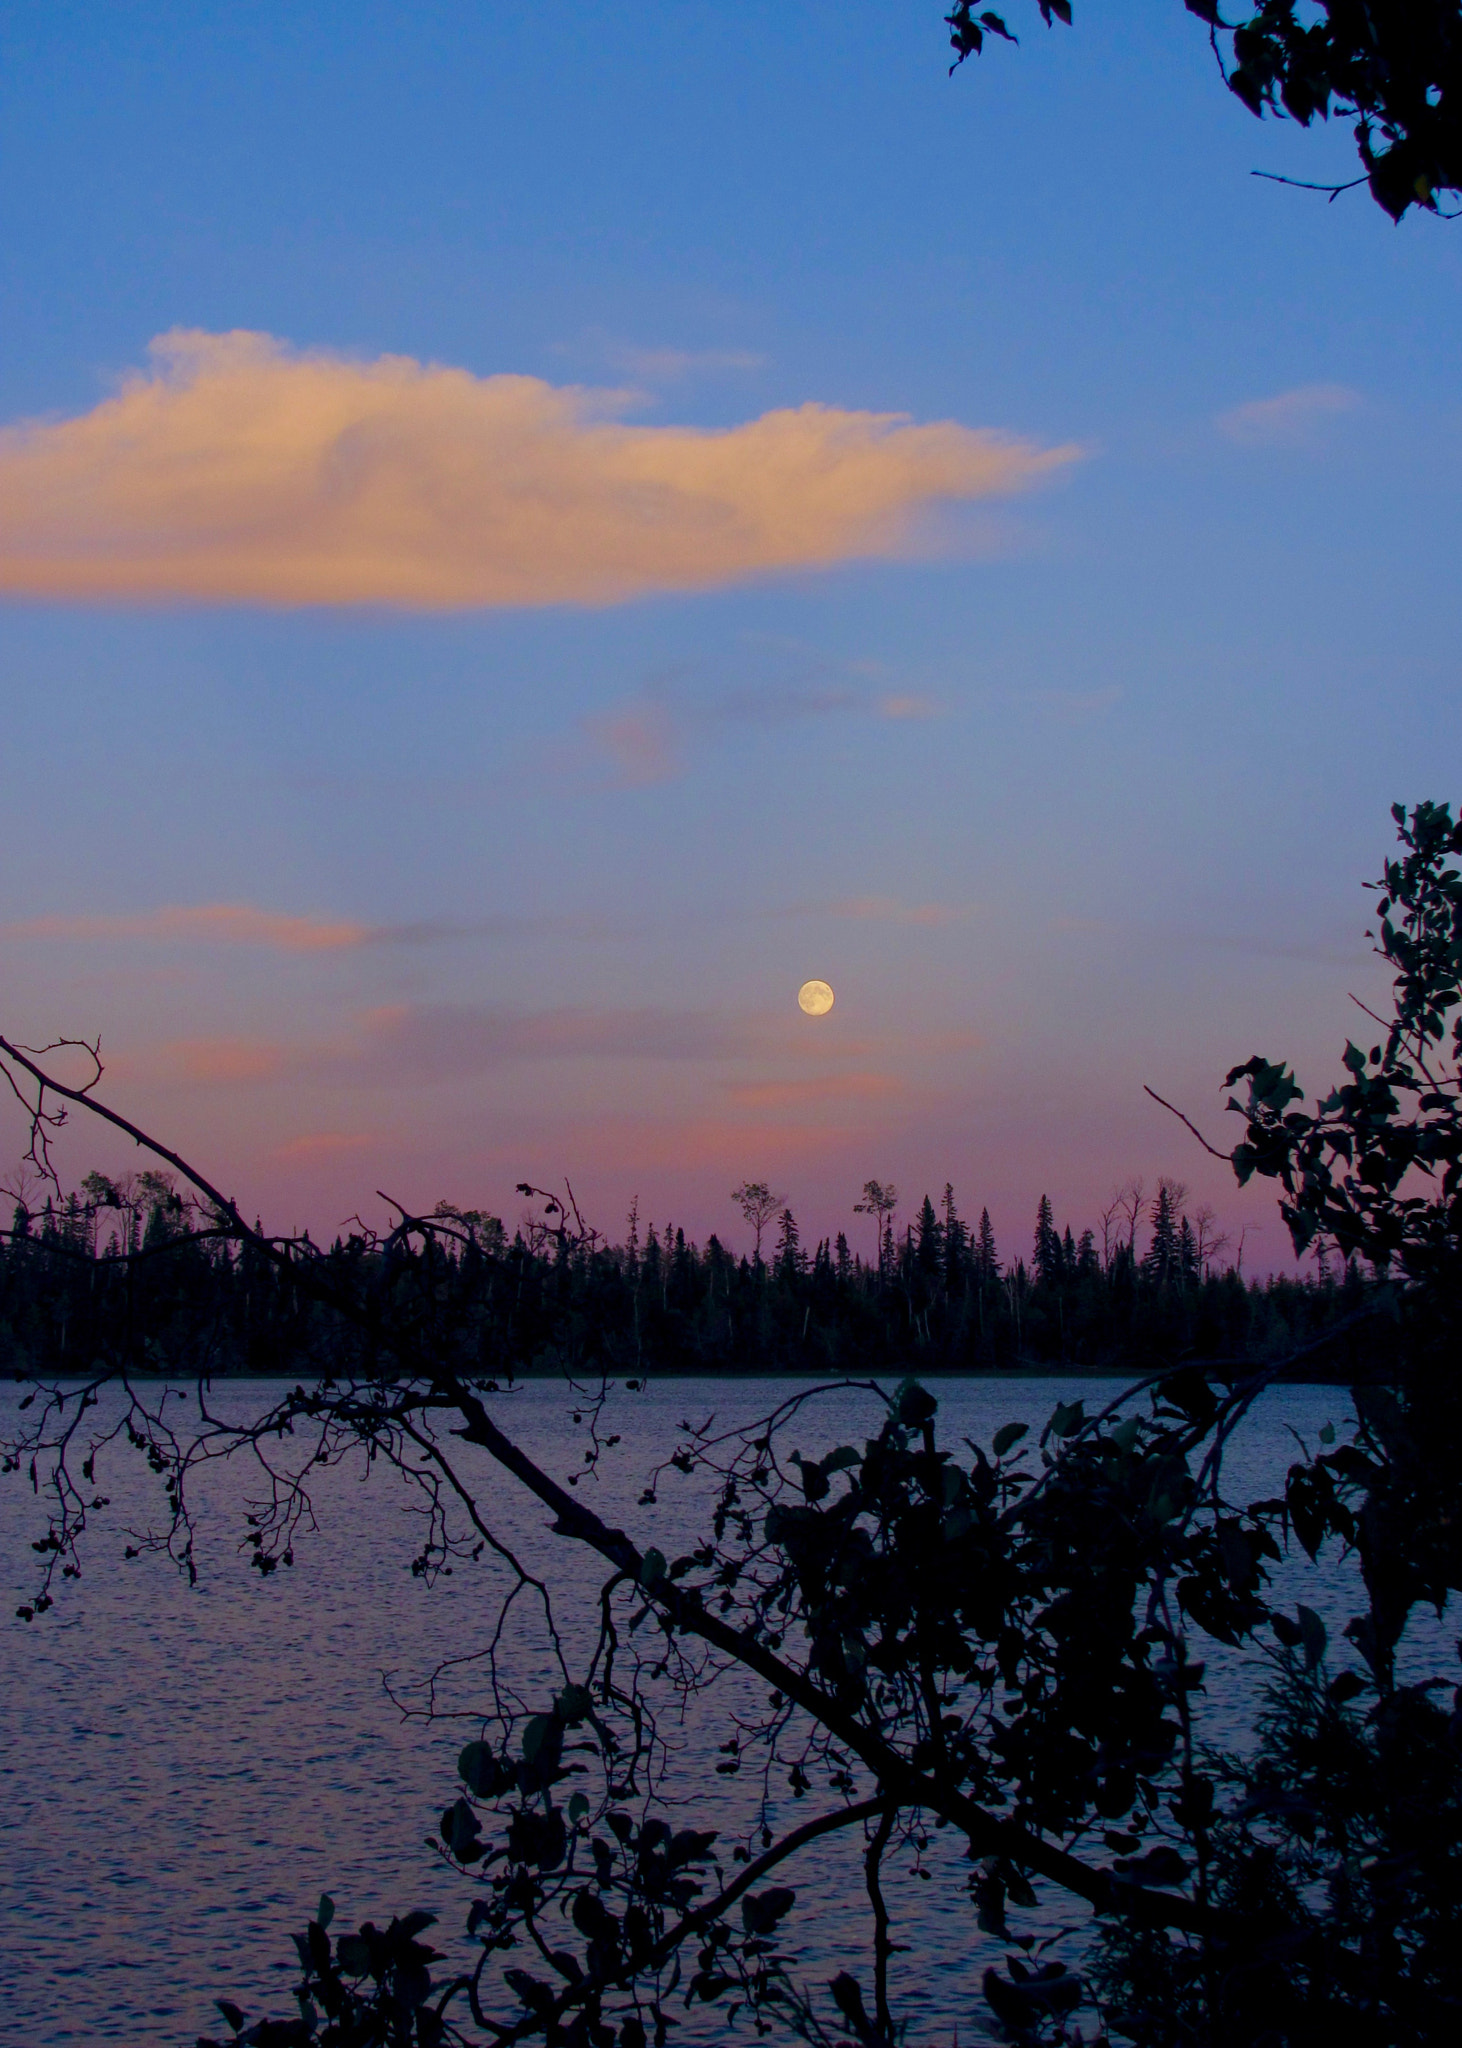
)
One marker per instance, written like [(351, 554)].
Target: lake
[(184, 1770)]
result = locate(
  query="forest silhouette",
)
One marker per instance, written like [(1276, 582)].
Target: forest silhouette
[(133, 1275)]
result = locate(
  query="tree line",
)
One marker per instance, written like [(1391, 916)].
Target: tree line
[(130, 1273)]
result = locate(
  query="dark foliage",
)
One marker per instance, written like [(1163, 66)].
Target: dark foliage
[(1394, 71)]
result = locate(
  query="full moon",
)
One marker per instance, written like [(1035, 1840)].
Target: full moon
[(815, 997)]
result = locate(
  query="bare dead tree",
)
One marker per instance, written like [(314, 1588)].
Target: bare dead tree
[(1209, 1239), (758, 1204), (1129, 1203), (879, 1201)]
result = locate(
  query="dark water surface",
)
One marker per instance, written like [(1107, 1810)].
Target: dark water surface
[(184, 1770)]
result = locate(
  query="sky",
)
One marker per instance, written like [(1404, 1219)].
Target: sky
[(527, 533)]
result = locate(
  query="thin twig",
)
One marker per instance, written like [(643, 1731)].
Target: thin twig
[(1306, 185), (1225, 1156)]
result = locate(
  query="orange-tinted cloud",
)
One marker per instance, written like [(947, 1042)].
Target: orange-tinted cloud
[(237, 924), (237, 470)]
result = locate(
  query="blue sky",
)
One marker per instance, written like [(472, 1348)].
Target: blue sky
[(1068, 787)]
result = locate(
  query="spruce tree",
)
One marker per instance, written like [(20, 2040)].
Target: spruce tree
[(956, 1242), (1161, 1262), (931, 1240), (790, 1256), (987, 1260), (1047, 1250), (1187, 1255)]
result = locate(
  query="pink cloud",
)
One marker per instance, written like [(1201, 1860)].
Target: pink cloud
[(404, 1046), (237, 470), (733, 1146), (449, 1040), (317, 1145), (235, 924), (823, 1088), (227, 1060), (880, 908), (641, 743)]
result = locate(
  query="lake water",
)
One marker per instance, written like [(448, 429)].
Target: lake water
[(184, 1770)]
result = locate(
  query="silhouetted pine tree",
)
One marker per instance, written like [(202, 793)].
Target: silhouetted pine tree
[(1187, 1255), (790, 1256), (956, 1243), (987, 1260), (1161, 1260), (1047, 1259), (930, 1255)]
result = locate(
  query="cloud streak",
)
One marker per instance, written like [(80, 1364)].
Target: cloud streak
[(236, 470), (447, 1041), (879, 910), (454, 1041), (232, 924), (641, 742), (317, 1146), (821, 1088), (888, 909), (225, 1062), (645, 738), (1287, 418), (660, 365), (243, 924)]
